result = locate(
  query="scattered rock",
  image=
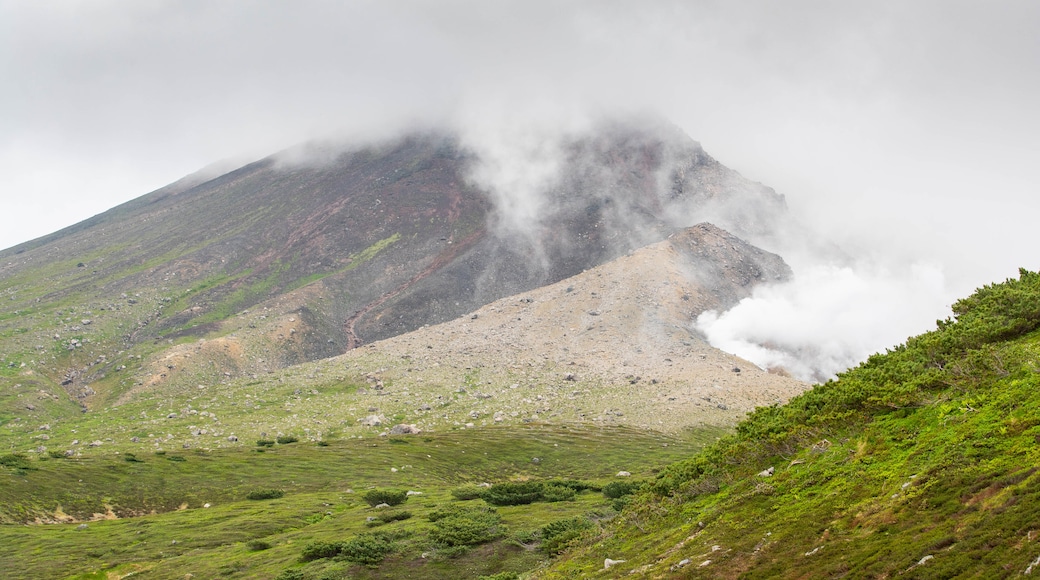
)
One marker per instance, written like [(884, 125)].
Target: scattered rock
[(608, 563), (624, 474), (681, 564), (82, 527), (373, 420), (767, 472), (404, 429), (410, 492)]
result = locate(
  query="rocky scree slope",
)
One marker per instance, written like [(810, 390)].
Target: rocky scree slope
[(611, 346)]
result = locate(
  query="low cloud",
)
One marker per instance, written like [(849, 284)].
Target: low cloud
[(830, 317)]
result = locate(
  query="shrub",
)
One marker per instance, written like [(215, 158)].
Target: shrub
[(513, 493), (15, 461), (286, 439), (554, 493), (264, 443), (322, 443), (577, 485), (319, 550), (616, 489), (56, 454), (258, 545), (131, 458), (387, 517), (290, 574), (465, 526), (559, 534), (501, 576), (175, 458), (265, 494), (375, 497), (467, 492), (367, 548), (394, 516)]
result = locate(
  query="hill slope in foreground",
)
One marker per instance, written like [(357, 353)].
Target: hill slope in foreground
[(920, 463)]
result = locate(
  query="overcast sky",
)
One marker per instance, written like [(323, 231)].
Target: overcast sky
[(906, 128)]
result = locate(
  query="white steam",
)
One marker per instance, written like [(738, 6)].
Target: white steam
[(829, 318), (518, 155)]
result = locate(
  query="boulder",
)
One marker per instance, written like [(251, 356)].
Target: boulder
[(373, 421)]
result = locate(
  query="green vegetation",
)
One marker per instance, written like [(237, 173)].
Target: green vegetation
[(257, 494), (165, 529), (385, 496), (920, 462)]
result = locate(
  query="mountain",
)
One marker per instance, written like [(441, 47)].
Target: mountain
[(354, 244)]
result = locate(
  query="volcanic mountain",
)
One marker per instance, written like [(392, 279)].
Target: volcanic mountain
[(382, 239)]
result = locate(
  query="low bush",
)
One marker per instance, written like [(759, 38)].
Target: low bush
[(367, 548), (15, 461), (465, 526), (286, 439), (265, 494), (394, 516), (557, 535), (576, 484), (467, 492), (509, 493), (291, 574), (375, 497), (554, 493), (264, 443), (616, 489), (258, 545), (319, 550)]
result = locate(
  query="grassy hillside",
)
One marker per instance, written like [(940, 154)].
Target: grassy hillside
[(920, 463), (252, 513)]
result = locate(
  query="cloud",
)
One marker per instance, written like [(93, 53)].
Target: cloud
[(830, 317)]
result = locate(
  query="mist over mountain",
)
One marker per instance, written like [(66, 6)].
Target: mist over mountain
[(356, 244)]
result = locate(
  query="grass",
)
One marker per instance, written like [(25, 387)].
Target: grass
[(323, 501)]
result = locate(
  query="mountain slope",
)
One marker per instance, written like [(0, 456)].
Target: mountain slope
[(921, 463), (354, 244), (610, 346)]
